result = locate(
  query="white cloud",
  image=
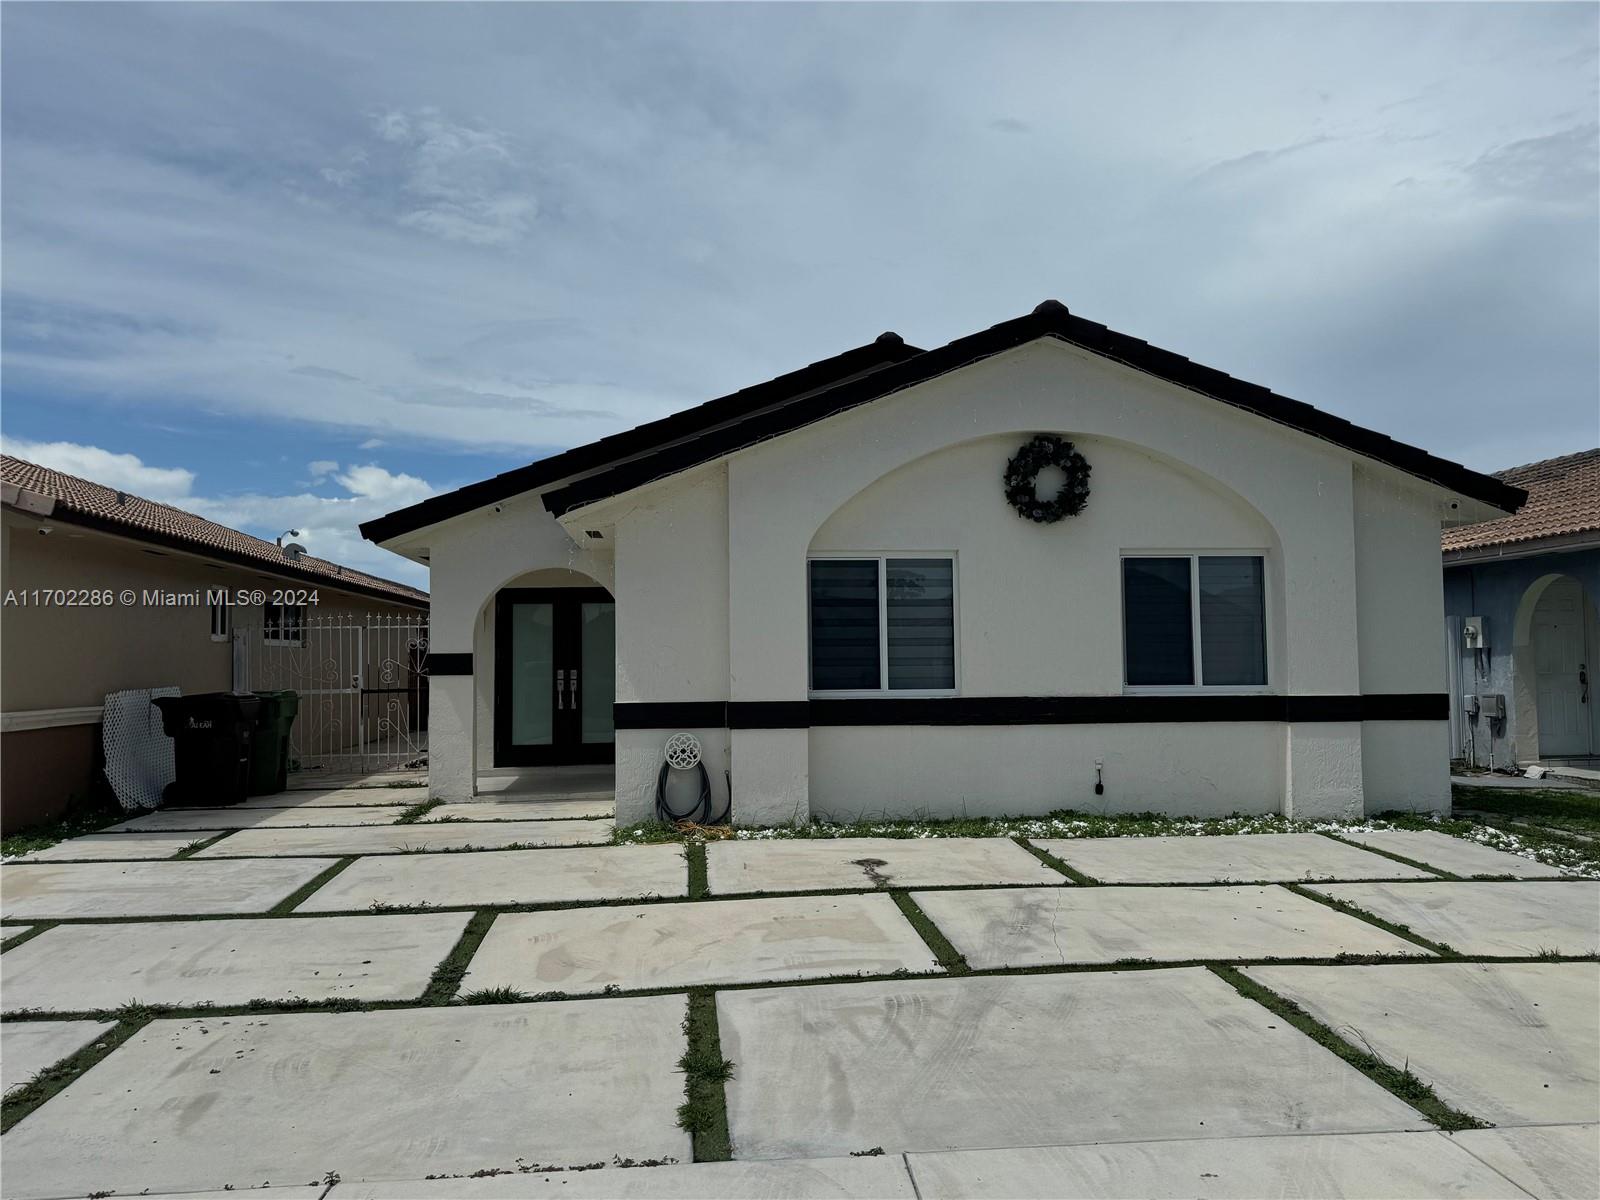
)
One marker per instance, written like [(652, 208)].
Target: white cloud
[(548, 222), (125, 472), (327, 524), (321, 467)]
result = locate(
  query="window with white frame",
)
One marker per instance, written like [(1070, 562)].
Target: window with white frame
[(283, 624), (221, 620), (1193, 620), (884, 623)]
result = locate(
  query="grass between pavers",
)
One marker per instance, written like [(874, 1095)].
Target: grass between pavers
[(1550, 849), (1571, 811), (74, 824), (53, 1078), (1400, 1081), (1443, 949), (135, 1009), (694, 854), (1438, 872), (286, 905), (1055, 864), (944, 951), (704, 1112), (200, 844), (9, 941), (381, 909), (416, 812), (447, 976)]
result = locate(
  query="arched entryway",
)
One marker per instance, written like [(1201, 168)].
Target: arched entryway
[(1554, 661), (554, 681)]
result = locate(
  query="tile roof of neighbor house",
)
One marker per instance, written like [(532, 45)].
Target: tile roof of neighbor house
[(1563, 501), (83, 502), (699, 435)]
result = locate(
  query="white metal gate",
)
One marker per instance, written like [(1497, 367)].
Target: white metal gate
[(362, 680)]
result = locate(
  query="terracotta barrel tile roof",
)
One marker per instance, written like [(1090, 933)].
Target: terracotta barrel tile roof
[(133, 516), (1563, 500)]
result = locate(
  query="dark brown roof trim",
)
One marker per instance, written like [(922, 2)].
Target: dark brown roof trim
[(654, 435), (62, 515), (1050, 319)]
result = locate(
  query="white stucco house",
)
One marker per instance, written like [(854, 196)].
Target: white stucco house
[(824, 578)]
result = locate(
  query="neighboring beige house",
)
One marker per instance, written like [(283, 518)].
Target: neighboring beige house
[(845, 582), (68, 635)]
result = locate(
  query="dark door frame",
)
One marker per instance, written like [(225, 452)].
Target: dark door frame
[(566, 637)]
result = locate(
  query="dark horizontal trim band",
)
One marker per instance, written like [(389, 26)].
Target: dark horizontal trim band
[(680, 714), (449, 664), (1031, 710)]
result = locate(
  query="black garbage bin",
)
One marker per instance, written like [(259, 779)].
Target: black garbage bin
[(211, 735), (269, 747)]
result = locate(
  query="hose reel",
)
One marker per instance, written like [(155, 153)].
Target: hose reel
[(683, 754)]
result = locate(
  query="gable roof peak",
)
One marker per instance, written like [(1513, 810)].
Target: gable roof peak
[(1050, 308)]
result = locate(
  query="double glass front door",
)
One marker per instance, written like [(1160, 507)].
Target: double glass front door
[(554, 677)]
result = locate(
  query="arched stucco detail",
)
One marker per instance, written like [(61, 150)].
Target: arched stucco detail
[(1058, 586), (1524, 700), (781, 493), (471, 558), (483, 647)]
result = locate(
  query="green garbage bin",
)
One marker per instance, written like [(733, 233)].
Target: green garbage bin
[(269, 748)]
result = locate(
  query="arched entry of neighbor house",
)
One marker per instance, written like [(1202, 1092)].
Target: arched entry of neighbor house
[(1554, 667), (554, 676)]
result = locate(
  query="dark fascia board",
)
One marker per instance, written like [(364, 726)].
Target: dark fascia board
[(288, 570), (1050, 319), (886, 349)]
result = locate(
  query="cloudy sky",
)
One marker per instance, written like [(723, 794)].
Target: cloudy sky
[(298, 265)]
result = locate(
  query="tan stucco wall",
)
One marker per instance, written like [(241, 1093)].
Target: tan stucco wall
[(71, 657), (44, 772)]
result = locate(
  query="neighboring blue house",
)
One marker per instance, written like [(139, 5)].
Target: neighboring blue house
[(1522, 626)]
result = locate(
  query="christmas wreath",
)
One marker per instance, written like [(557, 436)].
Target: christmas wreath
[(1022, 479)]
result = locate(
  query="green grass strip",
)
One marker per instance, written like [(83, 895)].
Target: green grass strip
[(74, 824), (704, 1112), (53, 1078), (16, 937), (1442, 949), (287, 904), (1055, 864), (1573, 810), (1393, 857), (951, 959), (447, 976), (699, 886), (1397, 1080), (417, 811), (201, 843)]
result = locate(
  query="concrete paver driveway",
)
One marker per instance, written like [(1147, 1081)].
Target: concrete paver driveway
[(951, 1017)]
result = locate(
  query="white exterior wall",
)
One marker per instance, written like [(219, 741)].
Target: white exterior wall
[(782, 492), (672, 628), (471, 558), (1400, 597), (710, 584), (989, 770)]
